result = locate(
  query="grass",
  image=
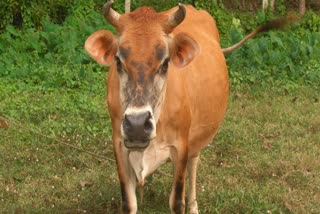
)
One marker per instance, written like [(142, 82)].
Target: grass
[(265, 158)]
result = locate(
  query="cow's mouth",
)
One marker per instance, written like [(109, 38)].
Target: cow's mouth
[(136, 144)]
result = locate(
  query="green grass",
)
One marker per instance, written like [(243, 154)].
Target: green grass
[(265, 158)]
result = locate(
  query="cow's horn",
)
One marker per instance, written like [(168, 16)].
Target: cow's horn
[(111, 15), (176, 18)]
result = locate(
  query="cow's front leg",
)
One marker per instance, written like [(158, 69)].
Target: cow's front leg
[(177, 201), (128, 194), (127, 181), (192, 174)]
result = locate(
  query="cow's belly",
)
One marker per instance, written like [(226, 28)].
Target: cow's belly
[(200, 137), (208, 94), (206, 121)]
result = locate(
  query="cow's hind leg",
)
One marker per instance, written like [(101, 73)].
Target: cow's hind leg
[(192, 174)]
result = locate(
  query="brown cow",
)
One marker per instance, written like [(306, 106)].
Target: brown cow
[(167, 94)]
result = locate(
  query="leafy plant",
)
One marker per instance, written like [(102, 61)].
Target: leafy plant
[(52, 55)]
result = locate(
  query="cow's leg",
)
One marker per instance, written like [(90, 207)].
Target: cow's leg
[(127, 181), (192, 174), (177, 201), (129, 200)]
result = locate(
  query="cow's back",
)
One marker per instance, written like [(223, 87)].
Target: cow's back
[(206, 79)]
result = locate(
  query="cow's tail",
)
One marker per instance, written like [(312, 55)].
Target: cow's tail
[(270, 25)]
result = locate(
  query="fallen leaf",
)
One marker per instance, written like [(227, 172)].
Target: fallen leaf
[(238, 95), (4, 124), (267, 146), (288, 206), (86, 183), (56, 177), (55, 116)]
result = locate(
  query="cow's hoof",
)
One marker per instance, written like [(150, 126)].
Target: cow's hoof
[(194, 212), (193, 208)]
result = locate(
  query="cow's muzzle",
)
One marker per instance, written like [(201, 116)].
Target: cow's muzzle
[(138, 128)]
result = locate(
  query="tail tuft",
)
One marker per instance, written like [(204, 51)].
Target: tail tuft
[(276, 24)]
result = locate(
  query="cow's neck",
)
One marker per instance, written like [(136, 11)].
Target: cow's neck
[(145, 162)]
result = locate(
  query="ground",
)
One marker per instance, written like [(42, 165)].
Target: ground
[(265, 158)]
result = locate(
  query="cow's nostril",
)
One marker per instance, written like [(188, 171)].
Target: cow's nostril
[(148, 126), (126, 123)]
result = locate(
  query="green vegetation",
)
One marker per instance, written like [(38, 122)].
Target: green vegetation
[(265, 158)]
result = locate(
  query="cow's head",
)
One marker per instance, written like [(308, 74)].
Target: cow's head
[(143, 51)]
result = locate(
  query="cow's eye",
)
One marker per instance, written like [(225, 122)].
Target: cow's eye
[(164, 66), (119, 64)]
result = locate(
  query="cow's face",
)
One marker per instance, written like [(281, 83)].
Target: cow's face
[(143, 52), (142, 63)]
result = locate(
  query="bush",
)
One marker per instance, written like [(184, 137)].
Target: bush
[(284, 57), (20, 13), (52, 55)]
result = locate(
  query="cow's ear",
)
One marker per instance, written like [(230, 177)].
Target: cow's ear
[(102, 47), (183, 49)]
